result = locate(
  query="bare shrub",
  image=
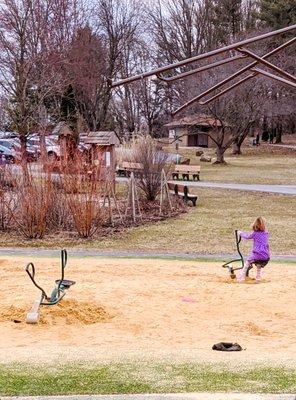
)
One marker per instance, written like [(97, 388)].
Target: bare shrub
[(153, 161), (83, 191), (32, 194), (59, 213), (6, 200)]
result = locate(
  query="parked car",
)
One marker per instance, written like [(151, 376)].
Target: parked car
[(52, 147), (51, 144), (12, 150)]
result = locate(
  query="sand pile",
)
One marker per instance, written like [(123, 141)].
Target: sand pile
[(12, 313), (254, 329), (248, 281), (70, 312)]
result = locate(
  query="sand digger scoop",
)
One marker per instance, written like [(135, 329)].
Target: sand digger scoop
[(58, 292)]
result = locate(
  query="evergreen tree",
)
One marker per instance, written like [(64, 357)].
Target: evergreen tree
[(69, 114), (68, 108), (228, 19), (278, 13)]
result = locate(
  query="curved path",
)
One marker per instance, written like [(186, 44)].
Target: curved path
[(280, 189)]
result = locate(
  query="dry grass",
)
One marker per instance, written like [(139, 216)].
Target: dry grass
[(209, 227), (263, 165), (206, 228)]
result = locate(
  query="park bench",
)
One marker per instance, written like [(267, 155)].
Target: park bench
[(183, 192), (126, 168), (186, 171)]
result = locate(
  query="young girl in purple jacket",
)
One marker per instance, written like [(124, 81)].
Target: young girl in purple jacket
[(260, 251)]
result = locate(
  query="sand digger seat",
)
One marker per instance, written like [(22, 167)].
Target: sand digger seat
[(59, 291)]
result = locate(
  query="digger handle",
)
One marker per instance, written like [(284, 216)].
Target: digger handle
[(32, 277), (237, 237), (64, 258), (31, 274)]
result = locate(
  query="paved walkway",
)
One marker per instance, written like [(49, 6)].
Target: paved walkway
[(183, 396), (287, 146), (281, 189), (79, 253)]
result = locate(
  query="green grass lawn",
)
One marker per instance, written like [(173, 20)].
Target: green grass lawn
[(16, 380)]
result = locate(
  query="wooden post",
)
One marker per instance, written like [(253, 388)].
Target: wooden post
[(164, 192), (133, 200)]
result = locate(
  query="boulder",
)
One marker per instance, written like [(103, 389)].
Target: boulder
[(205, 158)]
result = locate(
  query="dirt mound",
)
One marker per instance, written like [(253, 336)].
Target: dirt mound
[(256, 330), (70, 312), (248, 281)]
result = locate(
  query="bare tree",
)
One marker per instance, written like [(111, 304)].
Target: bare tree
[(34, 35), (234, 116), (151, 93), (117, 23), (125, 102), (17, 60)]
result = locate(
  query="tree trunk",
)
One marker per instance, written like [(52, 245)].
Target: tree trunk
[(278, 135), (43, 147), (24, 159), (236, 148), (265, 134), (220, 156)]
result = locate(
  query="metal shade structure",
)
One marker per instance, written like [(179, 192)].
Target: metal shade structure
[(283, 76)]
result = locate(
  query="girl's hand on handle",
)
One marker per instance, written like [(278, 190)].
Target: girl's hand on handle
[(239, 233)]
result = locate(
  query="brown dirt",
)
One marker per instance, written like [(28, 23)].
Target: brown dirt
[(68, 312), (124, 309)]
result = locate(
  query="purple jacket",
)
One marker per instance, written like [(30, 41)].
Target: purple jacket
[(260, 249)]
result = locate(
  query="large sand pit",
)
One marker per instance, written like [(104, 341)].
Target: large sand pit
[(148, 309)]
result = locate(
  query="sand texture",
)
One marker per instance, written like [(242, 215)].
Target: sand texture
[(122, 309)]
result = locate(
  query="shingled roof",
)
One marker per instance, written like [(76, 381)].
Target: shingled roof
[(101, 138), (198, 120)]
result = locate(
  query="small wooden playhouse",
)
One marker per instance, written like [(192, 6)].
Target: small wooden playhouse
[(102, 151)]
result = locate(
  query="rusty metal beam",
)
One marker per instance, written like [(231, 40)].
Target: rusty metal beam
[(275, 77), (268, 64), (200, 69), (202, 56), (256, 72), (228, 89), (236, 74)]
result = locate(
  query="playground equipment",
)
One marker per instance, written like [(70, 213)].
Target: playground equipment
[(232, 269), (242, 53), (59, 291)]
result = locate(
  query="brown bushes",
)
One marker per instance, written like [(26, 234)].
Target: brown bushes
[(84, 191), (31, 203), (146, 153), (39, 201)]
